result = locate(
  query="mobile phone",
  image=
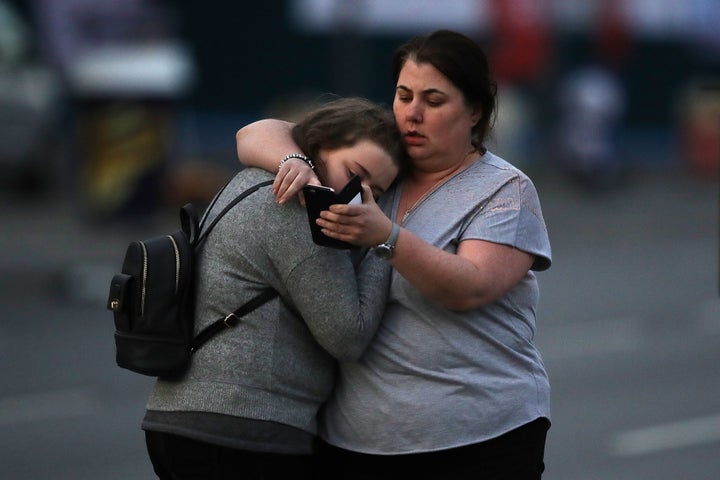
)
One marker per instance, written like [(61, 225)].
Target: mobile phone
[(319, 198)]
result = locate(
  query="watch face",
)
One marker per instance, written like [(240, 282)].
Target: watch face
[(383, 251)]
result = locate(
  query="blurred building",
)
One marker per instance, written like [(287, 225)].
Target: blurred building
[(252, 59), (253, 55), (125, 70)]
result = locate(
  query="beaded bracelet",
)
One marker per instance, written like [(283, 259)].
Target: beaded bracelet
[(300, 156)]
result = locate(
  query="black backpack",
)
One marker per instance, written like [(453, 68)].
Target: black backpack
[(152, 299)]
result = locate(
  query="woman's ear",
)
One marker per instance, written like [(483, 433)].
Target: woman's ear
[(476, 115)]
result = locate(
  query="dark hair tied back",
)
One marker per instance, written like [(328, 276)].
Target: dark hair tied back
[(464, 63)]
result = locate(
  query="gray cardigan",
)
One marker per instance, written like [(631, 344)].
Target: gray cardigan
[(277, 364)]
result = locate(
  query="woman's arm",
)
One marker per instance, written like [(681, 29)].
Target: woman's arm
[(479, 273), (263, 144), (341, 306)]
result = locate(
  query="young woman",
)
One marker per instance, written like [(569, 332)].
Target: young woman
[(452, 385), (247, 406)]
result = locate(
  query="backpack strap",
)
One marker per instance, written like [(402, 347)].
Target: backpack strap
[(230, 205), (232, 318), (189, 222)]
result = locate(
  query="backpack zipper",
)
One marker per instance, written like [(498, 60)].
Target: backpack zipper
[(177, 263), (144, 279)]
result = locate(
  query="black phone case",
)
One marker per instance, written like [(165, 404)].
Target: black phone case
[(318, 198)]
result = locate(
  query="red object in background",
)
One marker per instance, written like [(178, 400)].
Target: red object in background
[(699, 127), (521, 39), (613, 37), (703, 150)]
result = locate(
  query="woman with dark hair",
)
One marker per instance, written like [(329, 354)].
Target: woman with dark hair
[(247, 406), (452, 385)]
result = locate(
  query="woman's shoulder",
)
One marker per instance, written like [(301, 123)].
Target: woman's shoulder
[(490, 163), (282, 231), (493, 170), (258, 207), (247, 177)]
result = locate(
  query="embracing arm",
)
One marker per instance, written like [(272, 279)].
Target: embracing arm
[(263, 144), (341, 307)]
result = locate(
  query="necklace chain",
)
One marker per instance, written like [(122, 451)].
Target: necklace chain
[(423, 197), (432, 188)]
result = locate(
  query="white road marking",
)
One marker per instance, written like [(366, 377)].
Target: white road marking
[(47, 405), (668, 436)]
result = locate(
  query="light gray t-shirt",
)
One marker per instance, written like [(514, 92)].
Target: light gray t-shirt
[(432, 378)]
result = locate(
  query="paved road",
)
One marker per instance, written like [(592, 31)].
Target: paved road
[(630, 323), (629, 326)]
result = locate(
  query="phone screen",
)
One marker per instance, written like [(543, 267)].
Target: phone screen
[(319, 198)]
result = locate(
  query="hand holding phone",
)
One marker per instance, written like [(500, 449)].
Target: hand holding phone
[(319, 198)]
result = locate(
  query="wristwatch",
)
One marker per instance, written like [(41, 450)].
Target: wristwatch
[(385, 250)]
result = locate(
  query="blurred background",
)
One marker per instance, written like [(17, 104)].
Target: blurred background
[(113, 114)]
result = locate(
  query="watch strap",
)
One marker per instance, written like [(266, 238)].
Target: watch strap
[(394, 234)]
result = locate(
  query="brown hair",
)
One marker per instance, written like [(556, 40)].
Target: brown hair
[(344, 122), (464, 63)]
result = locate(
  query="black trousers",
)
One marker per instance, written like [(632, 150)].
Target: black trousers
[(516, 455), (179, 458)]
